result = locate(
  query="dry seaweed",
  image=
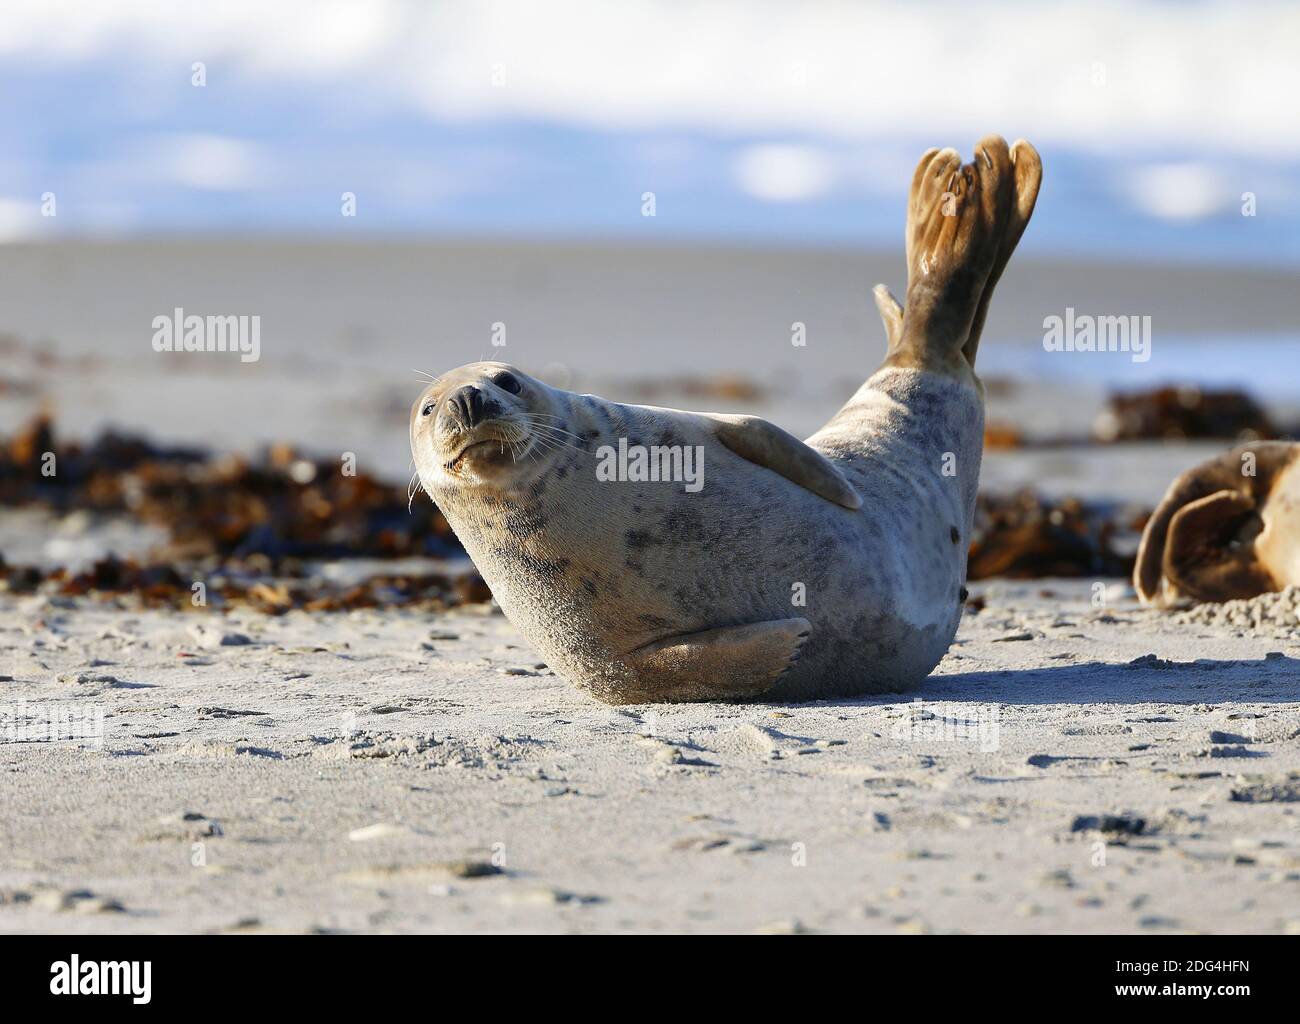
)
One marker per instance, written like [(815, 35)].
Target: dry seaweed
[(1183, 413), (282, 505), (163, 585), (1025, 536), (241, 527)]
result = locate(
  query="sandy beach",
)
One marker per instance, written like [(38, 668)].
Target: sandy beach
[(1068, 768)]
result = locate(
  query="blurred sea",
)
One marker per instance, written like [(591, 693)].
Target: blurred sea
[(346, 325)]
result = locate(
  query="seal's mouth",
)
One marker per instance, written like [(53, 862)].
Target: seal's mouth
[(503, 445), (476, 446)]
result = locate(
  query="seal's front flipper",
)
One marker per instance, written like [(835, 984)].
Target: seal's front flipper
[(766, 444), (731, 663)]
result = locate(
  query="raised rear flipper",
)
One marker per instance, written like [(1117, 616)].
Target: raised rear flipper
[(963, 222)]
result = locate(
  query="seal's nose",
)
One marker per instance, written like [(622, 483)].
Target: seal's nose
[(468, 404)]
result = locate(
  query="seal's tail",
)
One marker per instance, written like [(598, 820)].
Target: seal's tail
[(963, 223)]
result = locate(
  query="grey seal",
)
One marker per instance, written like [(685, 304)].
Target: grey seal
[(659, 555)]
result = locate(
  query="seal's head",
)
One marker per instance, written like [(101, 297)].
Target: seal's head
[(481, 425)]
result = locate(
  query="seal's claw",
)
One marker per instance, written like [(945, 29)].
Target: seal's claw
[(931, 188), (998, 174), (1029, 176), (919, 178)]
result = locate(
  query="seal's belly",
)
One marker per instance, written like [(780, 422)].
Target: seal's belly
[(881, 586)]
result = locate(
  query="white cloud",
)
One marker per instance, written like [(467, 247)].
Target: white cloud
[(1095, 73), (212, 162), (310, 37), (1179, 192), (781, 173)]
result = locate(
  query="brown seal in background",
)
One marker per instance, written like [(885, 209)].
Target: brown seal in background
[(1226, 529)]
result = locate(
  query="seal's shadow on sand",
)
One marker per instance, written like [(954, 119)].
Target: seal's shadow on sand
[(1272, 680)]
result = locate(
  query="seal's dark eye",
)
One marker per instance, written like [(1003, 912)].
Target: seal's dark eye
[(508, 382), (427, 410)]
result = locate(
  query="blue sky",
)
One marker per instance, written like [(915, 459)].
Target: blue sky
[(773, 123)]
